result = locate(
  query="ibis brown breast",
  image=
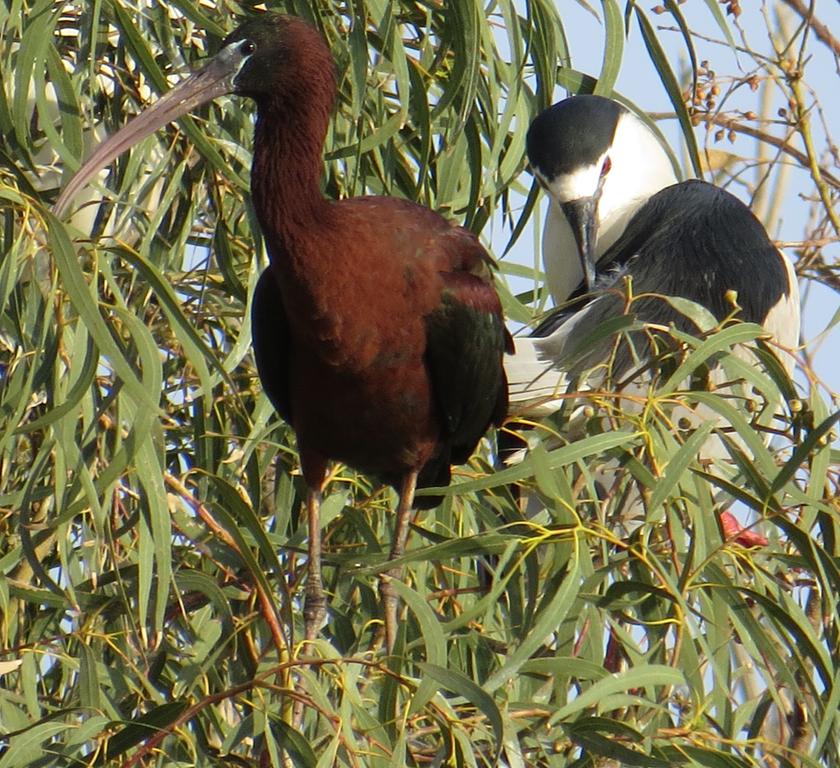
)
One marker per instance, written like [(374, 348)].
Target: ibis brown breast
[(370, 306)]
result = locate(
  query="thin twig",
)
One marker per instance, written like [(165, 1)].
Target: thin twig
[(268, 611), (732, 124), (214, 698), (817, 173), (821, 31), (259, 681)]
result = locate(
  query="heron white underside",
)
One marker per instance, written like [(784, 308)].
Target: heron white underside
[(782, 321)]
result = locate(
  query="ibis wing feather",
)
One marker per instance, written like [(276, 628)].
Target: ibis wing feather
[(272, 348), (466, 338)]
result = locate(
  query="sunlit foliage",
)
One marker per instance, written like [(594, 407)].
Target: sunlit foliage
[(150, 546)]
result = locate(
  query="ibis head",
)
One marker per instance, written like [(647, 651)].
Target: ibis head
[(266, 59)]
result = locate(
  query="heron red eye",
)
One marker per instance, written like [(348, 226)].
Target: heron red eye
[(605, 168), (247, 47)]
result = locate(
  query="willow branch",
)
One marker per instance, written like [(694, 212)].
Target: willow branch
[(822, 32), (732, 124), (817, 174), (268, 611)]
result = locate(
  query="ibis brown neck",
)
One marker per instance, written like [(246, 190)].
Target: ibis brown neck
[(288, 144)]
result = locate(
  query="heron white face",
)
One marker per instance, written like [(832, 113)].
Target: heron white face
[(632, 169), (577, 185)]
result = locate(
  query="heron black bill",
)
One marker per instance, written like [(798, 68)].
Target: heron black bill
[(582, 215)]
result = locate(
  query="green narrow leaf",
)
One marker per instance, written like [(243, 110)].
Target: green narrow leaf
[(714, 7), (79, 293), (68, 106), (597, 744), (88, 677), (25, 748), (613, 48), (295, 744), (30, 55), (804, 449), (136, 731), (228, 522), (245, 515), (71, 402), (548, 619), (559, 457), (685, 31), (645, 675), (739, 333), (140, 50), (462, 686), (434, 642), (672, 86), (677, 465)]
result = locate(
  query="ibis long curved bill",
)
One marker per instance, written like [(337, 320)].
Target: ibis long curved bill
[(214, 79)]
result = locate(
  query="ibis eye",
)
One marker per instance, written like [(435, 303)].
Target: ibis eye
[(247, 47)]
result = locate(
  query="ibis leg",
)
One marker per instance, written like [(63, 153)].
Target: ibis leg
[(315, 602), (315, 605), (390, 600)]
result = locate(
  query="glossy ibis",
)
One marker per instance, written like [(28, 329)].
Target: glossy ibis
[(378, 334)]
